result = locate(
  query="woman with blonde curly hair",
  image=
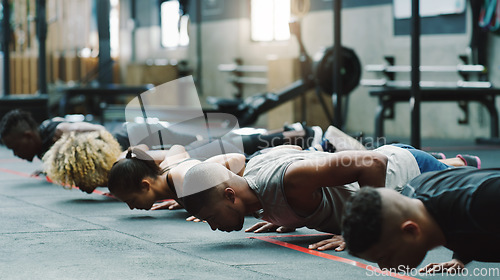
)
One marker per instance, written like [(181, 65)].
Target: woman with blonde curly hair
[(82, 159)]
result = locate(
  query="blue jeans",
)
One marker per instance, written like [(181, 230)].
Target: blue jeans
[(425, 161)]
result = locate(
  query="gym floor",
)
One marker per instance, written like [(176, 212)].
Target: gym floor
[(48, 232)]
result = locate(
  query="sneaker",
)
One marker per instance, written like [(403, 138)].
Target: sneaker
[(318, 135), (313, 135), (342, 141), (316, 148), (326, 146), (470, 160), (294, 126), (437, 155)]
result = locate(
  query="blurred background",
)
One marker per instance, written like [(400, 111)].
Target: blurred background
[(90, 57)]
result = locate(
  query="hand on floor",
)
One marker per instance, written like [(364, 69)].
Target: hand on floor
[(452, 266), (194, 219), (170, 205), (335, 242), (37, 173), (267, 227)]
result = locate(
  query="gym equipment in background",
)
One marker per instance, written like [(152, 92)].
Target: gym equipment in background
[(315, 73), (390, 70), (389, 91), (350, 72)]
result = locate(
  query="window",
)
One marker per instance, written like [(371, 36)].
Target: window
[(174, 26), (269, 20), (114, 28)]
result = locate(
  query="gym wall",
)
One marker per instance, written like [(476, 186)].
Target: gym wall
[(368, 27)]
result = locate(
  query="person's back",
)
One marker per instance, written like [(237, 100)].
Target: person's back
[(48, 131), (21, 134), (265, 173), (461, 200)]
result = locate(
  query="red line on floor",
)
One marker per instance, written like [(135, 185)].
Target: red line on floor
[(292, 235), (22, 174), (102, 193), (11, 160), (328, 256)]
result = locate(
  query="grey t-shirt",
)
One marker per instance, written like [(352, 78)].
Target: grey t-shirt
[(264, 174)]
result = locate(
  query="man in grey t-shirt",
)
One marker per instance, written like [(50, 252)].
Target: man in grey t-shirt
[(293, 188)]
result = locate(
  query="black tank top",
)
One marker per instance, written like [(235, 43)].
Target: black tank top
[(448, 196)]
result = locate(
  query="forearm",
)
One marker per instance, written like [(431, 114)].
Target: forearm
[(373, 174), (65, 127)]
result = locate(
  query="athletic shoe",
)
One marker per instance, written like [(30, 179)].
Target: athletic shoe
[(294, 126), (316, 148), (342, 141), (437, 155), (318, 135), (326, 146), (470, 160)]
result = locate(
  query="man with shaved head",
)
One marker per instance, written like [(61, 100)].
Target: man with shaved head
[(294, 188)]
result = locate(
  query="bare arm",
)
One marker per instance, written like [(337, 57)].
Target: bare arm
[(454, 265), (79, 127), (304, 178), (174, 155), (66, 127), (232, 161)]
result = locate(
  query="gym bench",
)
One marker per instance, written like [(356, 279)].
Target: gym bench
[(387, 97), (96, 99)]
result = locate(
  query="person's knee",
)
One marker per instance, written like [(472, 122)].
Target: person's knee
[(426, 162)]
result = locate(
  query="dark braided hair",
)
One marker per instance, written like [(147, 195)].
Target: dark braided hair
[(362, 220), (126, 174), (17, 121)]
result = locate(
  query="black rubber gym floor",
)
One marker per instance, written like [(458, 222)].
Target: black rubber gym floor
[(47, 232)]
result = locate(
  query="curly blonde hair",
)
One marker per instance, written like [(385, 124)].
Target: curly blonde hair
[(82, 159)]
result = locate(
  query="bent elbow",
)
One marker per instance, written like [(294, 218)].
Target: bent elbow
[(375, 160), (374, 171), (380, 162)]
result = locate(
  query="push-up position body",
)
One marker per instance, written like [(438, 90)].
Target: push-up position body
[(21, 134), (142, 178), (298, 188), (456, 208)]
